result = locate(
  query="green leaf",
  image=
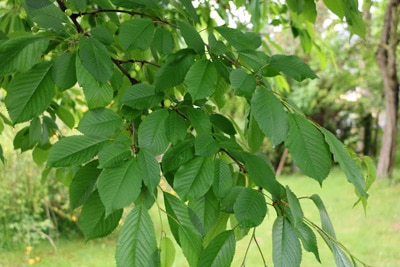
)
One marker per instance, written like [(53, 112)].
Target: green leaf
[(205, 145), (307, 146), (21, 53), (93, 221), (242, 82), (74, 150), (228, 202), (222, 123), (308, 239), (35, 131), (149, 169), (65, 116), (191, 36), (83, 184), (152, 134), (136, 34), (293, 67), (120, 186), (100, 122), (190, 10), (286, 248), (270, 115), (40, 155), (113, 154), (295, 207), (30, 93), (2, 155), (193, 179), (296, 6), (255, 135), (141, 96), (21, 140), (64, 72), (206, 210), (163, 41), (137, 245), (310, 11), (201, 79), (223, 180), (95, 59), (218, 227), (47, 15), (239, 39), (347, 164), (176, 127), (178, 155), (335, 6), (79, 5), (250, 208), (102, 34), (220, 251), (173, 72), (199, 120), (167, 252)]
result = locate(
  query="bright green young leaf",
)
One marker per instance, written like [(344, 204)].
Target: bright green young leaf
[(201, 79), (96, 59), (308, 239), (113, 154), (30, 93), (295, 207), (205, 145), (152, 135), (242, 82), (206, 209), (286, 248), (137, 244), (308, 147), (149, 169), (238, 39), (336, 7), (193, 179), (310, 11), (250, 208), (100, 122), (93, 221), (167, 252), (21, 53), (178, 155), (347, 164), (63, 71), (40, 155), (191, 36), (163, 41), (120, 186), (2, 155), (220, 251), (173, 72), (136, 33), (141, 96), (270, 115), (293, 67), (176, 127), (223, 180), (222, 123), (83, 184), (74, 150)]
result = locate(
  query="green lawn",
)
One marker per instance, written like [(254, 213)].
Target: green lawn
[(374, 237)]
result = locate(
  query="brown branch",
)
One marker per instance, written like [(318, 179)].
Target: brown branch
[(124, 71), (142, 62), (73, 17)]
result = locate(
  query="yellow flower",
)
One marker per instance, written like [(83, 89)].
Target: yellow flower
[(31, 261), (37, 259), (74, 218), (28, 248)]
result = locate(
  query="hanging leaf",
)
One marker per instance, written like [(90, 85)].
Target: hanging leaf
[(113, 154), (191, 36), (30, 93), (223, 180), (220, 251), (250, 208), (199, 120), (308, 239), (149, 169), (137, 245), (201, 79), (176, 127), (293, 67), (63, 71), (47, 15), (270, 115), (141, 96), (74, 150), (136, 33), (239, 39), (222, 123), (167, 252), (255, 135), (296, 6), (308, 148), (286, 248), (163, 41), (152, 135), (21, 53), (65, 115), (205, 145), (93, 221), (178, 155), (295, 207), (100, 122), (120, 186), (242, 82), (206, 210)]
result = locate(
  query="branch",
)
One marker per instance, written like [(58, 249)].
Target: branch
[(124, 71), (73, 17)]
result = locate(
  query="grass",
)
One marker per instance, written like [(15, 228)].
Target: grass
[(373, 237)]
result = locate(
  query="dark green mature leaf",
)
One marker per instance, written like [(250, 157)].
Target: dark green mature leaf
[(21, 53), (228, 202), (79, 5), (149, 169), (65, 115), (120, 186), (250, 208), (308, 239), (223, 180), (239, 39), (173, 72), (30, 93), (113, 154), (63, 71), (201, 79), (100, 122), (74, 150), (2, 155), (206, 210), (141, 96), (293, 67), (152, 135), (199, 120), (178, 155), (295, 207), (190, 9), (137, 245), (176, 127), (286, 248), (191, 36), (83, 184), (270, 115), (347, 164), (47, 15), (193, 179), (308, 148), (93, 221), (95, 58), (296, 6), (136, 33), (255, 135), (243, 82), (220, 251), (163, 41), (222, 123), (205, 145), (167, 252), (102, 34)]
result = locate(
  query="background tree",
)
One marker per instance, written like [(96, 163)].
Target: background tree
[(141, 84)]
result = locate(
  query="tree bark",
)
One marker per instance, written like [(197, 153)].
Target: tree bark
[(386, 59)]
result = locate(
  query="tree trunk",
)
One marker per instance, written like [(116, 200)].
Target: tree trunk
[(386, 58)]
